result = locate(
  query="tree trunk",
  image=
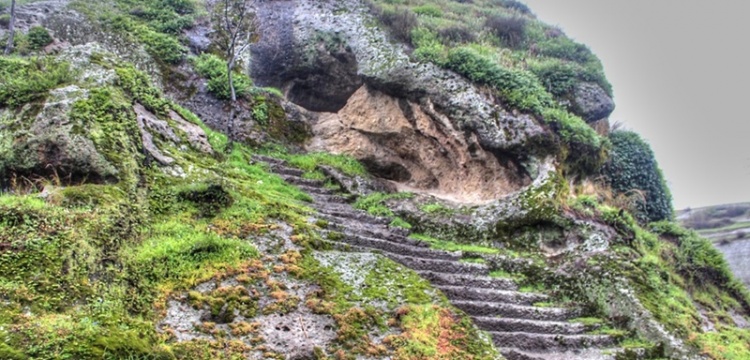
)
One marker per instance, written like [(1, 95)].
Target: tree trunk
[(230, 65), (233, 100), (11, 27)]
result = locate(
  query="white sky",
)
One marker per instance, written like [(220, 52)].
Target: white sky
[(681, 73)]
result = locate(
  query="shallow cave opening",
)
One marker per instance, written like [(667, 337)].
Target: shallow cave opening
[(389, 171)]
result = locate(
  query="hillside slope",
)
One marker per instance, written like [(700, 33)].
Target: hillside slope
[(399, 179)]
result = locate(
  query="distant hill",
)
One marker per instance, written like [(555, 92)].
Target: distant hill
[(721, 224), (728, 227)]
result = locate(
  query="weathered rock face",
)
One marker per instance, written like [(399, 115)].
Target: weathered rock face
[(416, 124), (48, 146), (399, 141)]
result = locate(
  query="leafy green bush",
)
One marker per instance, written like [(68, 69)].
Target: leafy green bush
[(632, 167), (584, 146), (428, 10), (214, 69), (39, 37), (162, 46), (559, 78), (565, 48), (428, 47), (518, 88), (23, 81)]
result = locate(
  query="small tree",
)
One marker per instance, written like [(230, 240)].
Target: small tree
[(11, 27), (235, 24)]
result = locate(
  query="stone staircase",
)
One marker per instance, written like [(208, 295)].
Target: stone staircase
[(520, 330)]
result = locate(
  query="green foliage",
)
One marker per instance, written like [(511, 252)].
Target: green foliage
[(139, 86), (564, 48), (310, 161), (400, 223), (518, 88), (375, 203), (107, 118), (559, 78), (632, 167), (699, 262), (162, 46), (585, 148), (452, 246), (428, 10), (23, 81), (428, 47), (38, 37), (214, 69)]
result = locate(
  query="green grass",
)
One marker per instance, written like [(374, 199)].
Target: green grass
[(588, 321), (473, 260), (375, 203), (452, 246)]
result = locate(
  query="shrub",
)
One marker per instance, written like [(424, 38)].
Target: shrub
[(214, 69), (428, 47), (565, 48), (632, 166), (401, 21), (515, 5), (457, 34), (23, 81), (584, 145), (518, 88), (510, 30), (39, 37), (428, 10), (559, 78), (4, 19)]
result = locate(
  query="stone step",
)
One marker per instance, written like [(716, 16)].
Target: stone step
[(316, 189), (329, 207), (491, 295), (464, 280), (346, 216), (329, 199), (397, 248), (485, 308), (378, 231), (449, 266), (296, 180), (287, 171), (583, 354), (499, 324), (349, 226), (267, 159), (549, 342)]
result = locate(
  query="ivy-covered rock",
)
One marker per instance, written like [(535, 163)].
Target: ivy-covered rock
[(631, 170)]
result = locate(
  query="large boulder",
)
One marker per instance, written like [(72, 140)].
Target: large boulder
[(49, 145), (591, 102)]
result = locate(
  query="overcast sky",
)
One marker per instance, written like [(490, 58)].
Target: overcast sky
[(681, 77)]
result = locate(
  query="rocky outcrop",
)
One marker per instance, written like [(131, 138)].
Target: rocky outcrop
[(396, 140), (591, 102), (456, 128), (47, 145)]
